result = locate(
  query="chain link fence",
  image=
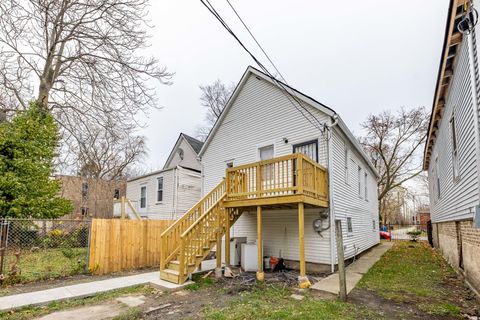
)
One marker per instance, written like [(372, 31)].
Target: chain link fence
[(34, 249)]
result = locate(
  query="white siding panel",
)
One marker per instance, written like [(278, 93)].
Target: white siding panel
[(457, 197), (262, 115), (188, 191), (348, 203)]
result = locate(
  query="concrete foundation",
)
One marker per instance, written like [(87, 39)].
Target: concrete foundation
[(459, 242)]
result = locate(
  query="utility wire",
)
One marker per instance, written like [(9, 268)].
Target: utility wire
[(287, 93)]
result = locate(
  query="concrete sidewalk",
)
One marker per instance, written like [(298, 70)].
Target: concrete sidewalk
[(85, 290), (355, 271)]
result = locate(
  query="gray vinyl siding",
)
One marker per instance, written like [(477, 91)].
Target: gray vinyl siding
[(262, 115), (177, 198), (458, 197)]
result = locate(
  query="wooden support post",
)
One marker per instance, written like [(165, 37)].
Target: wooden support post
[(227, 237), (341, 260), (302, 279), (260, 274), (218, 253), (122, 208)]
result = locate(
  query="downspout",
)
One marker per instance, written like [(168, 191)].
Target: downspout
[(472, 56), (331, 190)]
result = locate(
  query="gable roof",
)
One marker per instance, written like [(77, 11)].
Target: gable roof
[(195, 144), (305, 98)]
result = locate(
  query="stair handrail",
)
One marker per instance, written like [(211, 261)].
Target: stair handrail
[(183, 223), (198, 224)]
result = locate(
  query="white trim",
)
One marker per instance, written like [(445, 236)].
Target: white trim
[(158, 189), (263, 145), (146, 198)]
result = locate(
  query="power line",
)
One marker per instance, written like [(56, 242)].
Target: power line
[(279, 84)]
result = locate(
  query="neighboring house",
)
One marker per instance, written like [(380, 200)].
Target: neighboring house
[(423, 216), (452, 151), (260, 122), (91, 198), (170, 192)]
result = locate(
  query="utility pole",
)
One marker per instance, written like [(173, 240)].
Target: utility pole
[(341, 261)]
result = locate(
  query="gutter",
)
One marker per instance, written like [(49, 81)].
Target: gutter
[(330, 191)]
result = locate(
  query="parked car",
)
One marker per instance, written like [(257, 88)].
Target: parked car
[(385, 235)]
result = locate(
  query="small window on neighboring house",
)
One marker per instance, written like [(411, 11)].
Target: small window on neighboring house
[(437, 176), (116, 194), (346, 157), (160, 189), (84, 191), (365, 185), (349, 225), (359, 181), (143, 197), (309, 148), (84, 211), (453, 134)]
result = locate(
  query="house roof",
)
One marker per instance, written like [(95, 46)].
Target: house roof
[(195, 144), (450, 50), (305, 98)]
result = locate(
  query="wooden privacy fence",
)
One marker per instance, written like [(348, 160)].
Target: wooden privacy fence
[(118, 244)]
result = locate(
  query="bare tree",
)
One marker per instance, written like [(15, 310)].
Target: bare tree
[(394, 142), (82, 56), (214, 97), (107, 156)]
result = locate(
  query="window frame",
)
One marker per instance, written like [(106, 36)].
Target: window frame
[(359, 170), (454, 143), (365, 187), (265, 145), (140, 204), (306, 143), (349, 225), (160, 190), (437, 178), (346, 165)]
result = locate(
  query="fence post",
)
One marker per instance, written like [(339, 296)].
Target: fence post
[(341, 260), (87, 260)]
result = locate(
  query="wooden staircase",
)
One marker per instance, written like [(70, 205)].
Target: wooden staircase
[(191, 238), (290, 181)]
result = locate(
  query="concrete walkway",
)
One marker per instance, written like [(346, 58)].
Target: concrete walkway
[(85, 289), (355, 271)]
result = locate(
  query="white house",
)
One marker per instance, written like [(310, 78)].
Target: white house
[(170, 192), (452, 151), (263, 121)]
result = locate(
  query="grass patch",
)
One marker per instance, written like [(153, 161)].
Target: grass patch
[(46, 264), (131, 314), (413, 273), (200, 283), (274, 302), (410, 268), (32, 312)]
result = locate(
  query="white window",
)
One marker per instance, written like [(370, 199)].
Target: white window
[(143, 197), (374, 225), (359, 181), (309, 148), (437, 176), (346, 156), (266, 152), (365, 185), (160, 189), (453, 136), (349, 225)]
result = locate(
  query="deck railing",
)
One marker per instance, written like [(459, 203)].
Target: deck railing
[(294, 174)]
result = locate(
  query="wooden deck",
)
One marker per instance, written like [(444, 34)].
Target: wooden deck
[(292, 181), (277, 183)]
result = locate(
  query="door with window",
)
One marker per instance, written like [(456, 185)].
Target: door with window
[(267, 169), (310, 149)]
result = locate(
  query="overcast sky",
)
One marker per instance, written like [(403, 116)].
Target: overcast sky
[(357, 57)]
